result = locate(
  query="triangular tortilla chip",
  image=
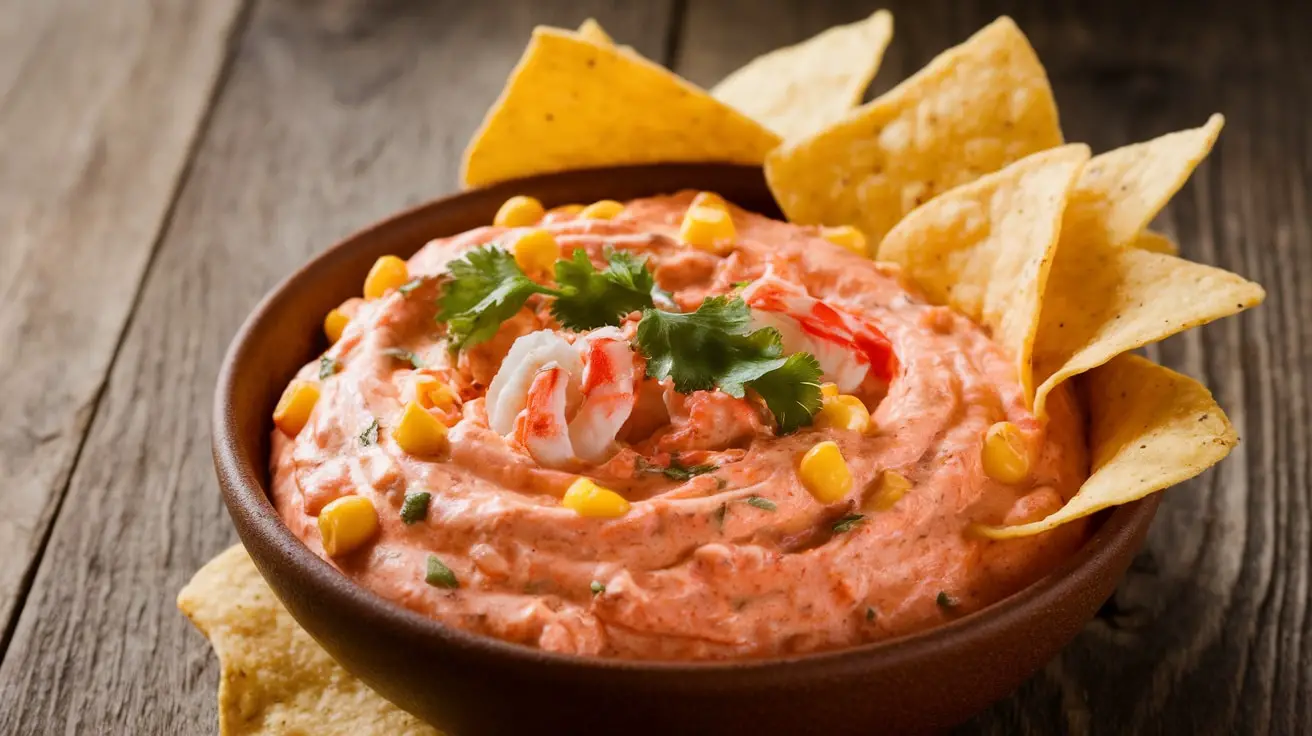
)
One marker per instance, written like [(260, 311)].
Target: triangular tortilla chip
[(1149, 428), (275, 679), (590, 30), (1155, 242), (971, 111), (1104, 299), (1121, 191), (573, 104), (797, 90), (984, 248)]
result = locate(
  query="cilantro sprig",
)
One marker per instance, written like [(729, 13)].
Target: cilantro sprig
[(590, 298), (485, 287), (714, 347)]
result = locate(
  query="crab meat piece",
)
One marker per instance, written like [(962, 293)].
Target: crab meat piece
[(565, 403), (508, 392), (847, 347)]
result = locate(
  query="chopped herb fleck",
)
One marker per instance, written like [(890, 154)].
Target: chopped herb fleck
[(406, 355), (675, 470), (369, 436), (328, 367), (870, 613), (415, 507), (848, 523), (439, 575), (597, 588), (740, 284), (411, 285), (719, 513), (945, 601), (764, 504)]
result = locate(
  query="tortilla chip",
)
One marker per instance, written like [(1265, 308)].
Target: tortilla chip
[(985, 248), (1121, 191), (1104, 299), (590, 30), (573, 104), (275, 679), (1149, 428), (797, 90), (975, 109), (1155, 242)]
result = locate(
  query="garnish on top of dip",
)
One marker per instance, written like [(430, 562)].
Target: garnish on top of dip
[(669, 428)]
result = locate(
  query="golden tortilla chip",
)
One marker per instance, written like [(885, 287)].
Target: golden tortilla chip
[(591, 30), (275, 679), (573, 104), (797, 90), (1156, 242), (1104, 299), (984, 248), (973, 110), (1149, 428), (1121, 191)]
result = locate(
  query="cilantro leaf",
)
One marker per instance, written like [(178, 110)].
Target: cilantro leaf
[(712, 348), (483, 288), (792, 391), (701, 350), (590, 298)]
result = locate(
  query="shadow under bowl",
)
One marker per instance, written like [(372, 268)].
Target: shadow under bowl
[(470, 684)]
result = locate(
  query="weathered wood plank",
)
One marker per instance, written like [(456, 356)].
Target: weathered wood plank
[(1210, 632), (336, 112), (100, 101)]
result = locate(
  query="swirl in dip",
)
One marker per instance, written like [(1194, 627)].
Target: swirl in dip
[(728, 554)]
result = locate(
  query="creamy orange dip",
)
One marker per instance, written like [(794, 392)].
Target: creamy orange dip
[(743, 561)]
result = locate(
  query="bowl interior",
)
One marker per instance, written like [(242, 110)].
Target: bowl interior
[(284, 332)]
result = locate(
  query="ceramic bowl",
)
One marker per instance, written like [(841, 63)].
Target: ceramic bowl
[(470, 684)]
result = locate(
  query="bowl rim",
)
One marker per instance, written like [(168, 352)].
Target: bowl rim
[(259, 524)]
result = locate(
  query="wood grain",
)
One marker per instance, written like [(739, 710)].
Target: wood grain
[(336, 112), (1210, 632), (99, 104)]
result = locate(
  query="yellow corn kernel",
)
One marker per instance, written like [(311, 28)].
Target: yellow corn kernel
[(389, 272), (847, 237), (824, 472), (710, 199), (1005, 455), (519, 211), (828, 390), (587, 498), (707, 228), (294, 408), (418, 432), (334, 324), (347, 524), (843, 412), (569, 209), (536, 251), (603, 209), (433, 394), (888, 489)]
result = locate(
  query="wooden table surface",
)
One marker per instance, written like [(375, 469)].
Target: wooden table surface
[(164, 162)]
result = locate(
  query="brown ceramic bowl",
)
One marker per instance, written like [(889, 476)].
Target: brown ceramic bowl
[(470, 684)]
